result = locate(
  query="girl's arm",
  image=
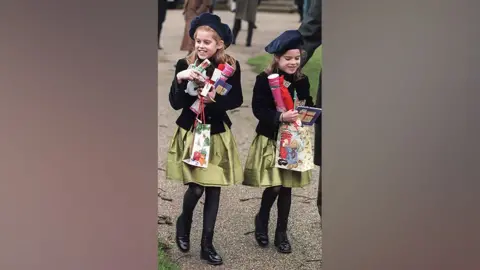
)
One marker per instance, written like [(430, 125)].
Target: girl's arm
[(177, 96), (261, 99), (234, 98), (302, 87)]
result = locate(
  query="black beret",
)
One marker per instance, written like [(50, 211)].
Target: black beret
[(213, 21), (290, 39)]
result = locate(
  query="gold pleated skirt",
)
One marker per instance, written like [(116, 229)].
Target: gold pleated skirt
[(224, 167), (260, 170)]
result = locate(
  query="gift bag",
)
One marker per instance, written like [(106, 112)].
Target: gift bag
[(200, 148), (294, 149)]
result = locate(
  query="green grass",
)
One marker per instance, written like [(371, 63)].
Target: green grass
[(311, 69), (164, 262)]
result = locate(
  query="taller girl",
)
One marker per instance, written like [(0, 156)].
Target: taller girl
[(211, 38), (260, 170)]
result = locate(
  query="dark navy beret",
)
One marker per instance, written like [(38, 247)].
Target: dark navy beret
[(213, 21), (290, 39)]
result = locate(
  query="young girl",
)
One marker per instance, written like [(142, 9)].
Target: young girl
[(260, 170), (211, 38)]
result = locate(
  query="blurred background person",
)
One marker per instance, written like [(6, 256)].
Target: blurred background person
[(299, 4), (305, 5), (191, 9), (212, 7), (245, 10), (162, 13), (311, 30)]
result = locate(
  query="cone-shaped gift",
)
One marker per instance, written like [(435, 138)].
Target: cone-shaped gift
[(203, 65), (273, 81), (227, 71)]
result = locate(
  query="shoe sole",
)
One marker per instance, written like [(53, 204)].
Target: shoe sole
[(209, 262), (261, 245), (283, 252)]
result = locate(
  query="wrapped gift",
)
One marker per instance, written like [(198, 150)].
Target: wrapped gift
[(200, 148), (294, 149)]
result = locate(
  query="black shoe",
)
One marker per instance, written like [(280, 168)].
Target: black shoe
[(261, 232), (182, 236), (281, 242), (208, 252)]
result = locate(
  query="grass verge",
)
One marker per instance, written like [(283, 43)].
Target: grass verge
[(311, 69)]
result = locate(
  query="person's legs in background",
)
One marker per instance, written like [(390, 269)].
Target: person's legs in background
[(162, 13), (212, 7), (299, 4), (237, 25), (251, 26)]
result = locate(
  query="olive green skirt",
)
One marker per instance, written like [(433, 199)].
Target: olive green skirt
[(224, 167), (260, 170)]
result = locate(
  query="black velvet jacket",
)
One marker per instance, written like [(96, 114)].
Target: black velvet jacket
[(215, 112), (263, 104)]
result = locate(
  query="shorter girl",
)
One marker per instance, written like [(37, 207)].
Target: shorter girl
[(260, 170), (211, 38)]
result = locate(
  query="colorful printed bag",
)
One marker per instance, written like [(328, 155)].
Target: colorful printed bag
[(294, 149), (200, 149)]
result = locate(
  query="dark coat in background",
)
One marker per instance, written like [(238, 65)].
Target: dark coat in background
[(246, 10), (192, 9), (162, 14), (311, 30)]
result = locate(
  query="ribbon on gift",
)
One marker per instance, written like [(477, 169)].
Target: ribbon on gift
[(286, 97), (200, 117)]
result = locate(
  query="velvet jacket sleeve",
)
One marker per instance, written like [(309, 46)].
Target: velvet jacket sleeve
[(234, 98), (303, 91), (177, 96), (263, 104)]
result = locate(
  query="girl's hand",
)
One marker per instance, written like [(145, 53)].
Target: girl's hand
[(188, 75), (200, 81), (208, 99), (211, 96), (289, 116)]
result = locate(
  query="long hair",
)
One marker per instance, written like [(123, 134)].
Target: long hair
[(220, 56), (273, 66)]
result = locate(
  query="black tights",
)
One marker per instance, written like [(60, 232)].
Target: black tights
[(210, 208), (284, 202)]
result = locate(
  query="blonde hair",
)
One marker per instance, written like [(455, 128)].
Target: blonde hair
[(273, 66), (220, 56)]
